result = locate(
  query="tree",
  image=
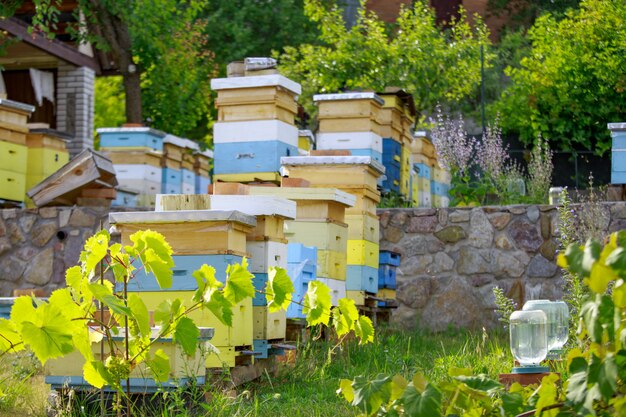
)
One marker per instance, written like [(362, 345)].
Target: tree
[(416, 55), (572, 83), (237, 29)]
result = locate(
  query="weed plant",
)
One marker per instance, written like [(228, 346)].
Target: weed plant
[(22, 392)]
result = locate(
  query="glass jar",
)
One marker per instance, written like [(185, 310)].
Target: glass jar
[(549, 308), (529, 340), (562, 326), (554, 195)]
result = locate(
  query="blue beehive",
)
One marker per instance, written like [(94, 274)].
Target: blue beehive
[(131, 137), (202, 184), (171, 182), (361, 278), (423, 170), (375, 155), (182, 279), (389, 258), (387, 276), (246, 157), (301, 268), (392, 151), (618, 152)]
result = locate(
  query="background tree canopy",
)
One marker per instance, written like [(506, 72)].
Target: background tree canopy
[(572, 82)]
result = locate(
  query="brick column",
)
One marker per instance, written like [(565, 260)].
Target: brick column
[(75, 105)]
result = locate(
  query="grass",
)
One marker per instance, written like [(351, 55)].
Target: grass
[(22, 389), (309, 387)]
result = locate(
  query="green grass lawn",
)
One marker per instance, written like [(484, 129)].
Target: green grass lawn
[(309, 387)]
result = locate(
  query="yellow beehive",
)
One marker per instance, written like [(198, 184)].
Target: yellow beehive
[(357, 296), (269, 326), (135, 158), (173, 151), (225, 357), (282, 111), (386, 294), (248, 177), (423, 159), (350, 125), (240, 334), (423, 146), (366, 200), (252, 95), (363, 227), (323, 235), (335, 171), (326, 204), (331, 264), (441, 175), (12, 185), (363, 252), (14, 157), (306, 140), (360, 108), (414, 189), (191, 232), (423, 185), (181, 365)]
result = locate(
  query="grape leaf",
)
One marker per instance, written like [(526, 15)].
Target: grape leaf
[(238, 282), (591, 254), (96, 248), (398, 385), (186, 334), (160, 366), (74, 277), (205, 278), (425, 404), (104, 294), (9, 338), (50, 334), (371, 395), (348, 308), (340, 322), (345, 389), (220, 307), (480, 382), (23, 310), (96, 374), (155, 254), (600, 277), (317, 303), (278, 290), (619, 294), (364, 330), (139, 313)]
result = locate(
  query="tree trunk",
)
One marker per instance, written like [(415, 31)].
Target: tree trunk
[(132, 87)]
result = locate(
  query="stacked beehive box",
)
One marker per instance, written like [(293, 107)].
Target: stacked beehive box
[(320, 223), (618, 152), (301, 267), (197, 237), (13, 150), (267, 247), (433, 180), (46, 154), (398, 120), (388, 262), (255, 128), (306, 142), (137, 154), (357, 175), (440, 186), (350, 121), (67, 371), (202, 169)]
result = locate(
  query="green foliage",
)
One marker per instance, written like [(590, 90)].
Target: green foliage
[(109, 102), (415, 56), (505, 306), (571, 83), (239, 28)]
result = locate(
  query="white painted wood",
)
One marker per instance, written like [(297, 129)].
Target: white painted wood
[(255, 205), (256, 81), (349, 96), (149, 130), (350, 140), (140, 185), (332, 160), (255, 131), (337, 289), (299, 193), (137, 172), (264, 255), (616, 126), (182, 216)]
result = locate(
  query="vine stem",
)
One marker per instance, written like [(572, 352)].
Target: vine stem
[(532, 412)]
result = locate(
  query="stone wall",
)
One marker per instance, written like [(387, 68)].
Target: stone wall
[(38, 245), (452, 258)]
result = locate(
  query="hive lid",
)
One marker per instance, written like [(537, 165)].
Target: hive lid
[(143, 129), (617, 126), (348, 96), (182, 216), (181, 142), (16, 105), (300, 193), (332, 160), (255, 205), (256, 81)]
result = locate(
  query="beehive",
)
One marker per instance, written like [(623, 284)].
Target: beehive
[(306, 141), (67, 371), (13, 150), (302, 269), (131, 138)]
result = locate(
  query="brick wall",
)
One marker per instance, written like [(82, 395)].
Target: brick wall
[(75, 105)]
